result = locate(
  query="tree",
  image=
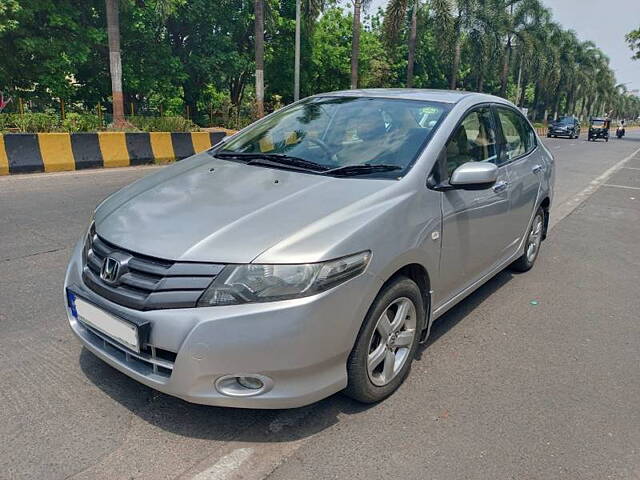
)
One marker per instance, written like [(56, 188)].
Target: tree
[(394, 18), (8, 9), (412, 43), (633, 39), (259, 46), (355, 41), (115, 63), (312, 9)]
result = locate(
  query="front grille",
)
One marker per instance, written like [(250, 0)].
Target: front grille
[(150, 361), (145, 283)]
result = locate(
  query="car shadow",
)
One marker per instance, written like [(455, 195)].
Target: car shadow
[(458, 313), (214, 423), (224, 424)]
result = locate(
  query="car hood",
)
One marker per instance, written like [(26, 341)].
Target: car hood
[(210, 210)]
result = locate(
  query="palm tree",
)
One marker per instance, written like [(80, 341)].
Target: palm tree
[(259, 47), (358, 6), (312, 9), (115, 62), (395, 16), (412, 42), (521, 16), (453, 18)]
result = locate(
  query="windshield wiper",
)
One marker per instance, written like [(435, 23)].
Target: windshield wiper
[(277, 158), (363, 169)]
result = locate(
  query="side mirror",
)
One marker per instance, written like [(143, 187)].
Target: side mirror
[(474, 176)]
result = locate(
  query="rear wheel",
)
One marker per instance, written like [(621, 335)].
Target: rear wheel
[(532, 244), (387, 342)]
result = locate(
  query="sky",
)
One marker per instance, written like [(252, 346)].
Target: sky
[(603, 22)]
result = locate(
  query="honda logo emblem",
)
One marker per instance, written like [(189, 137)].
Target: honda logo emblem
[(110, 270)]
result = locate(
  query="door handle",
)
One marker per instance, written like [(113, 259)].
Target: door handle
[(537, 168), (500, 186)]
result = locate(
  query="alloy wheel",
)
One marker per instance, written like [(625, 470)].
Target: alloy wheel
[(391, 341), (535, 238)]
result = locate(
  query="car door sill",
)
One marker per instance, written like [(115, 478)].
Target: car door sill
[(442, 309)]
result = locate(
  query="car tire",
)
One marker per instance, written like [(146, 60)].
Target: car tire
[(532, 243), (374, 369)]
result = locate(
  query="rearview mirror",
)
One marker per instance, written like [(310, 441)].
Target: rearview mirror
[(474, 175)]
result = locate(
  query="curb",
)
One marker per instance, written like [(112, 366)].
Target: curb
[(56, 152)]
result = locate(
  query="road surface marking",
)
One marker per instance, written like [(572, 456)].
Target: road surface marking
[(619, 186), (569, 206), (226, 466), (631, 168)]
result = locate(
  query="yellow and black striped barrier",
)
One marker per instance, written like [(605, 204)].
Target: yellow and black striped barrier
[(55, 152)]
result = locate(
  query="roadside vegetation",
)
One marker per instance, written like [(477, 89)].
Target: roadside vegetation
[(30, 122), (193, 63)]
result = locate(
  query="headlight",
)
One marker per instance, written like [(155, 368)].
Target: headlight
[(88, 241), (251, 283)]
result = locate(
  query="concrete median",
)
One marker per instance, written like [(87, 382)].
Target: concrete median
[(54, 152)]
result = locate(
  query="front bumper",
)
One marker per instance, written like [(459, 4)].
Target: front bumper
[(301, 345)]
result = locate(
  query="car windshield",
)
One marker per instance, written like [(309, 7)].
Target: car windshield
[(565, 121), (371, 136)]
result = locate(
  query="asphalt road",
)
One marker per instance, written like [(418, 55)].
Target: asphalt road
[(504, 388)]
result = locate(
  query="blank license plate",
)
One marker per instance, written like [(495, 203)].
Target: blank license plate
[(111, 326)]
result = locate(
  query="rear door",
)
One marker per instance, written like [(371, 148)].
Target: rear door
[(519, 153)]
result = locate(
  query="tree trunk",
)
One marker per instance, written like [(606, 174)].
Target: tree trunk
[(523, 89), (259, 35), (519, 82), (115, 63), (412, 44), (556, 105), (296, 68), (536, 101), (355, 43), (592, 101), (456, 56), (581, 112), (504, 77)]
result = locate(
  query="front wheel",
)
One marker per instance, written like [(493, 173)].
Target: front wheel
[(387, 342), (532, 244)]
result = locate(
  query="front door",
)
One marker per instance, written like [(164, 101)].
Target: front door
[(473, 228)]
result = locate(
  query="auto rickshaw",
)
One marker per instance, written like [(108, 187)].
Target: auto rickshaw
[(599, 128)]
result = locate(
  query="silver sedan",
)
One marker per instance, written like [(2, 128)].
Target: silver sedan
[(311, 252)]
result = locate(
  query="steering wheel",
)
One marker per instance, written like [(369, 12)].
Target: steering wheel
[(325, 148)]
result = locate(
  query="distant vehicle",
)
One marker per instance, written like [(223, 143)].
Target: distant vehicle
[(310, 252), (599, 128), (565, 127), (620, 131)]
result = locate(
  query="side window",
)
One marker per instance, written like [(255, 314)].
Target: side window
[(529, 134), (473, 141), (517, 136)]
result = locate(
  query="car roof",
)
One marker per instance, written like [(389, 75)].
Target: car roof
[(445, 96)]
